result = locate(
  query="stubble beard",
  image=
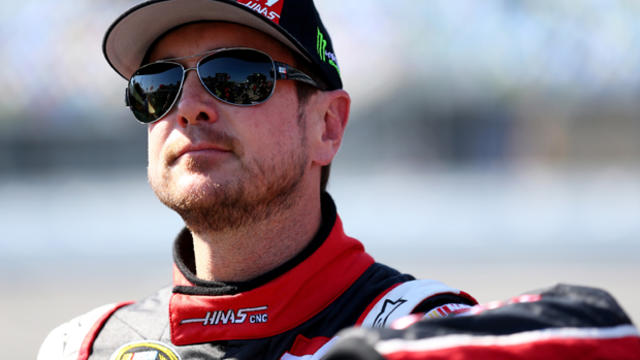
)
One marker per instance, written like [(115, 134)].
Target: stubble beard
[(260, 193)]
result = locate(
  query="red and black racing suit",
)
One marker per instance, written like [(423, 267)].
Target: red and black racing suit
[(292, 311)]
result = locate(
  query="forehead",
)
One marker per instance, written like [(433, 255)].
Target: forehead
[(199, 37)]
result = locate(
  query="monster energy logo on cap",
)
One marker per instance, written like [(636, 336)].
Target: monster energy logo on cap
[(326, 56)]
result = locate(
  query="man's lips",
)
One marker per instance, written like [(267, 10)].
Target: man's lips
[(201, 148)]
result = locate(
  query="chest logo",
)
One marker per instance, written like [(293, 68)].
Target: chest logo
[(254, 315), (145, 350)]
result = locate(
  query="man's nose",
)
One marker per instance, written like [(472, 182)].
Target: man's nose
[(195, 104)]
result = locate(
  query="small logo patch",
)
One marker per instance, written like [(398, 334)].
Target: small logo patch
[(255, 315), (387, 308), (271, 9), (325, 55), (145, 350), (446, 310)]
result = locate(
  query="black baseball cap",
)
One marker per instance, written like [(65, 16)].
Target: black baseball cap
[(295, 23)]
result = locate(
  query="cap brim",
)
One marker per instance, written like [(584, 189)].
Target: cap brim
[(130, 36)]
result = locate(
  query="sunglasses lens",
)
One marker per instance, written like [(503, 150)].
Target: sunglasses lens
[(153, 90), (241, 77)]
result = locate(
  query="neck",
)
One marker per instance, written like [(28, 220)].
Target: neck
[(243, 254)]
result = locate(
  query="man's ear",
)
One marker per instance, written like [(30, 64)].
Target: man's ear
[(332, 115)]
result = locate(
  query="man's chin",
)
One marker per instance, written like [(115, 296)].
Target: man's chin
[(197, 183), (187, 190), (210, 207)]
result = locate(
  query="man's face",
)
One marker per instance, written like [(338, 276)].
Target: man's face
[(221, 166)]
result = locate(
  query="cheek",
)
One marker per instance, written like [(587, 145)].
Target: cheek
[(272, 132), (155, 140), (281, 115)]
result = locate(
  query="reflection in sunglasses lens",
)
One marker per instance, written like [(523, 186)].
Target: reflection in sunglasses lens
[(242, 77), (153, 89)]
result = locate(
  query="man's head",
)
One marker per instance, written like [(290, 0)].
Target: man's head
[(238, 162)]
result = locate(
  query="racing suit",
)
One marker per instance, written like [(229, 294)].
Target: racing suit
[(292, 312), (555, 323)]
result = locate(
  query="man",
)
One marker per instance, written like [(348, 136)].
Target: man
[(240, 148)]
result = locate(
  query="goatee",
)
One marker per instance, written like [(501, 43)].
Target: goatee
[(260, 190)]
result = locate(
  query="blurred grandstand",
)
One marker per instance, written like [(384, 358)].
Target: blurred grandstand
[(465, 82)]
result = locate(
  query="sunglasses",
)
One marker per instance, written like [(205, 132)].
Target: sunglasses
[(236, 76)]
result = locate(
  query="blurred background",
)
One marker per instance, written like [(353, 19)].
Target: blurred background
[(493, 145)]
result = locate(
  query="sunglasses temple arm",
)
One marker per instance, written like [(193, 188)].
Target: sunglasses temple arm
[(126, 96), (286, 72)]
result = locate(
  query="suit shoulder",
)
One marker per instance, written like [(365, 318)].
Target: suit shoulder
[(65, 341)]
